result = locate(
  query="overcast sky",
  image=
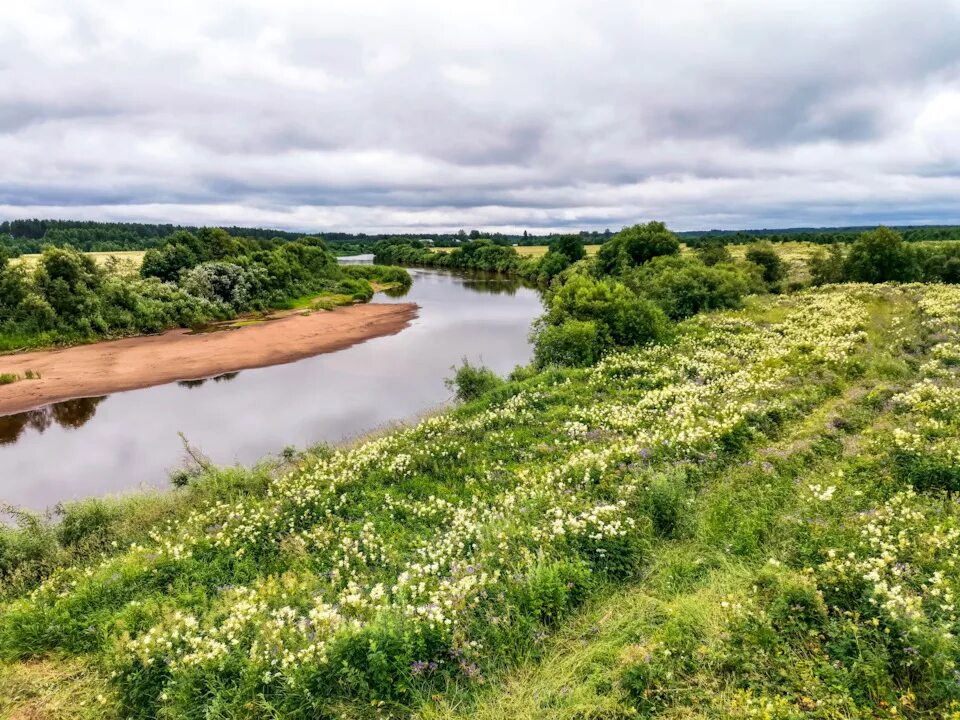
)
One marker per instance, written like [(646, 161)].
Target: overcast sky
[(391, 116)]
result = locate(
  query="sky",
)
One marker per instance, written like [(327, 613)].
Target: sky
[(397, 116)]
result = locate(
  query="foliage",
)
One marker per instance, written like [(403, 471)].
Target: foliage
[(470, 381), (682, 287), (622, 317), (826, 267), (570, 343), (714, 253), (636, 245), (878, 256), (188, 280), (766, 257), (570, 246)]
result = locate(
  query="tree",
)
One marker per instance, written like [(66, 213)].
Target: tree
[(218, 281), (68, 279), (569, 245), (826, 267), (879, 256), (684, 286), (636, 245), (574, 343), (168, 263), (217, 244), (622, 318), (714, 253), (763, 254)]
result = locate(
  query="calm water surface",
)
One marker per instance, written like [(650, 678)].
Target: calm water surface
[(95, 446)]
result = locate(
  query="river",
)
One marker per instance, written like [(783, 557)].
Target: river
[(129, 440)]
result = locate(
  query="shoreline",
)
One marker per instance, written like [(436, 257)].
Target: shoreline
[(144, 361)]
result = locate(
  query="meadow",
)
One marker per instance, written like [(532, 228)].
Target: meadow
[(750, 519), (534, 251), (131, 259)]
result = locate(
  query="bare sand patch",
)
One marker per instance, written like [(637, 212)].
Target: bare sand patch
[(106, 367)]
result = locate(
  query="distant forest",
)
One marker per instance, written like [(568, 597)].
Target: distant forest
[(18, 237)]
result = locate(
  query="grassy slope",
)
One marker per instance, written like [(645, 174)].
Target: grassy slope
[(654, 489)]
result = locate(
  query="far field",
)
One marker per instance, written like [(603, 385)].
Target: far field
[(132, 257)]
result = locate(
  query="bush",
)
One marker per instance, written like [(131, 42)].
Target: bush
[(218, 281), (85, 523), (622, 318), (551, 265), (665, 502), (570, 246), (714, 253), (470, 381), (574, 343), (880, 256), (682, 287), (551, 589), (763, 254), (826, 267), (636, 245)]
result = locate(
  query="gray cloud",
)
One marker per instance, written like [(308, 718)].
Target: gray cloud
[(425, 115)]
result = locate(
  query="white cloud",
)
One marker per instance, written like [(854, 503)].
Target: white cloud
[(369, 115)]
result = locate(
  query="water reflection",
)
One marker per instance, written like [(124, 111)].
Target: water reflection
[(131, 440), (70, 414), (494, 284), (226, 377)]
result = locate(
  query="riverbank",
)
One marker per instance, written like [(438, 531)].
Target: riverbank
[(139, 362)]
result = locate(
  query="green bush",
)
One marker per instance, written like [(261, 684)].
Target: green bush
[(573, 343), (551, 589), (85, 523), (470, 381), (880, 255), (773, 267), (826, 267), (666, 502), (622, 318), (683, 287), (636, 245), (571, 246)]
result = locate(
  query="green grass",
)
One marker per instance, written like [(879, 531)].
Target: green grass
[(718, 527)]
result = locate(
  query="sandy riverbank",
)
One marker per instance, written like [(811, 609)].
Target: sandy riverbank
[(115, 365)]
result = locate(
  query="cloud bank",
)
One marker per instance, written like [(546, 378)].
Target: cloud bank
[(422, 116)]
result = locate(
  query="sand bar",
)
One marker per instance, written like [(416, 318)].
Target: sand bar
[(111, 366)]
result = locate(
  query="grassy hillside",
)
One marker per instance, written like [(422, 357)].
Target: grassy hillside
[(722, 525)]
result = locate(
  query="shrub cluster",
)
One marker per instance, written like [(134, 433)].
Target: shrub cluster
[(189, 280), (633, 291), (883, 255), (485, 255)]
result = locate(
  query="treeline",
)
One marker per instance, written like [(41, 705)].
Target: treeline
[(638, 284), (630, 293), (818, 236), (19, 237), (189, 280), (484, 254), (885, 255)]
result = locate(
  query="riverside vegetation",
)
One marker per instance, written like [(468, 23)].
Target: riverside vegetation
[(743, 506), (189, 280)]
